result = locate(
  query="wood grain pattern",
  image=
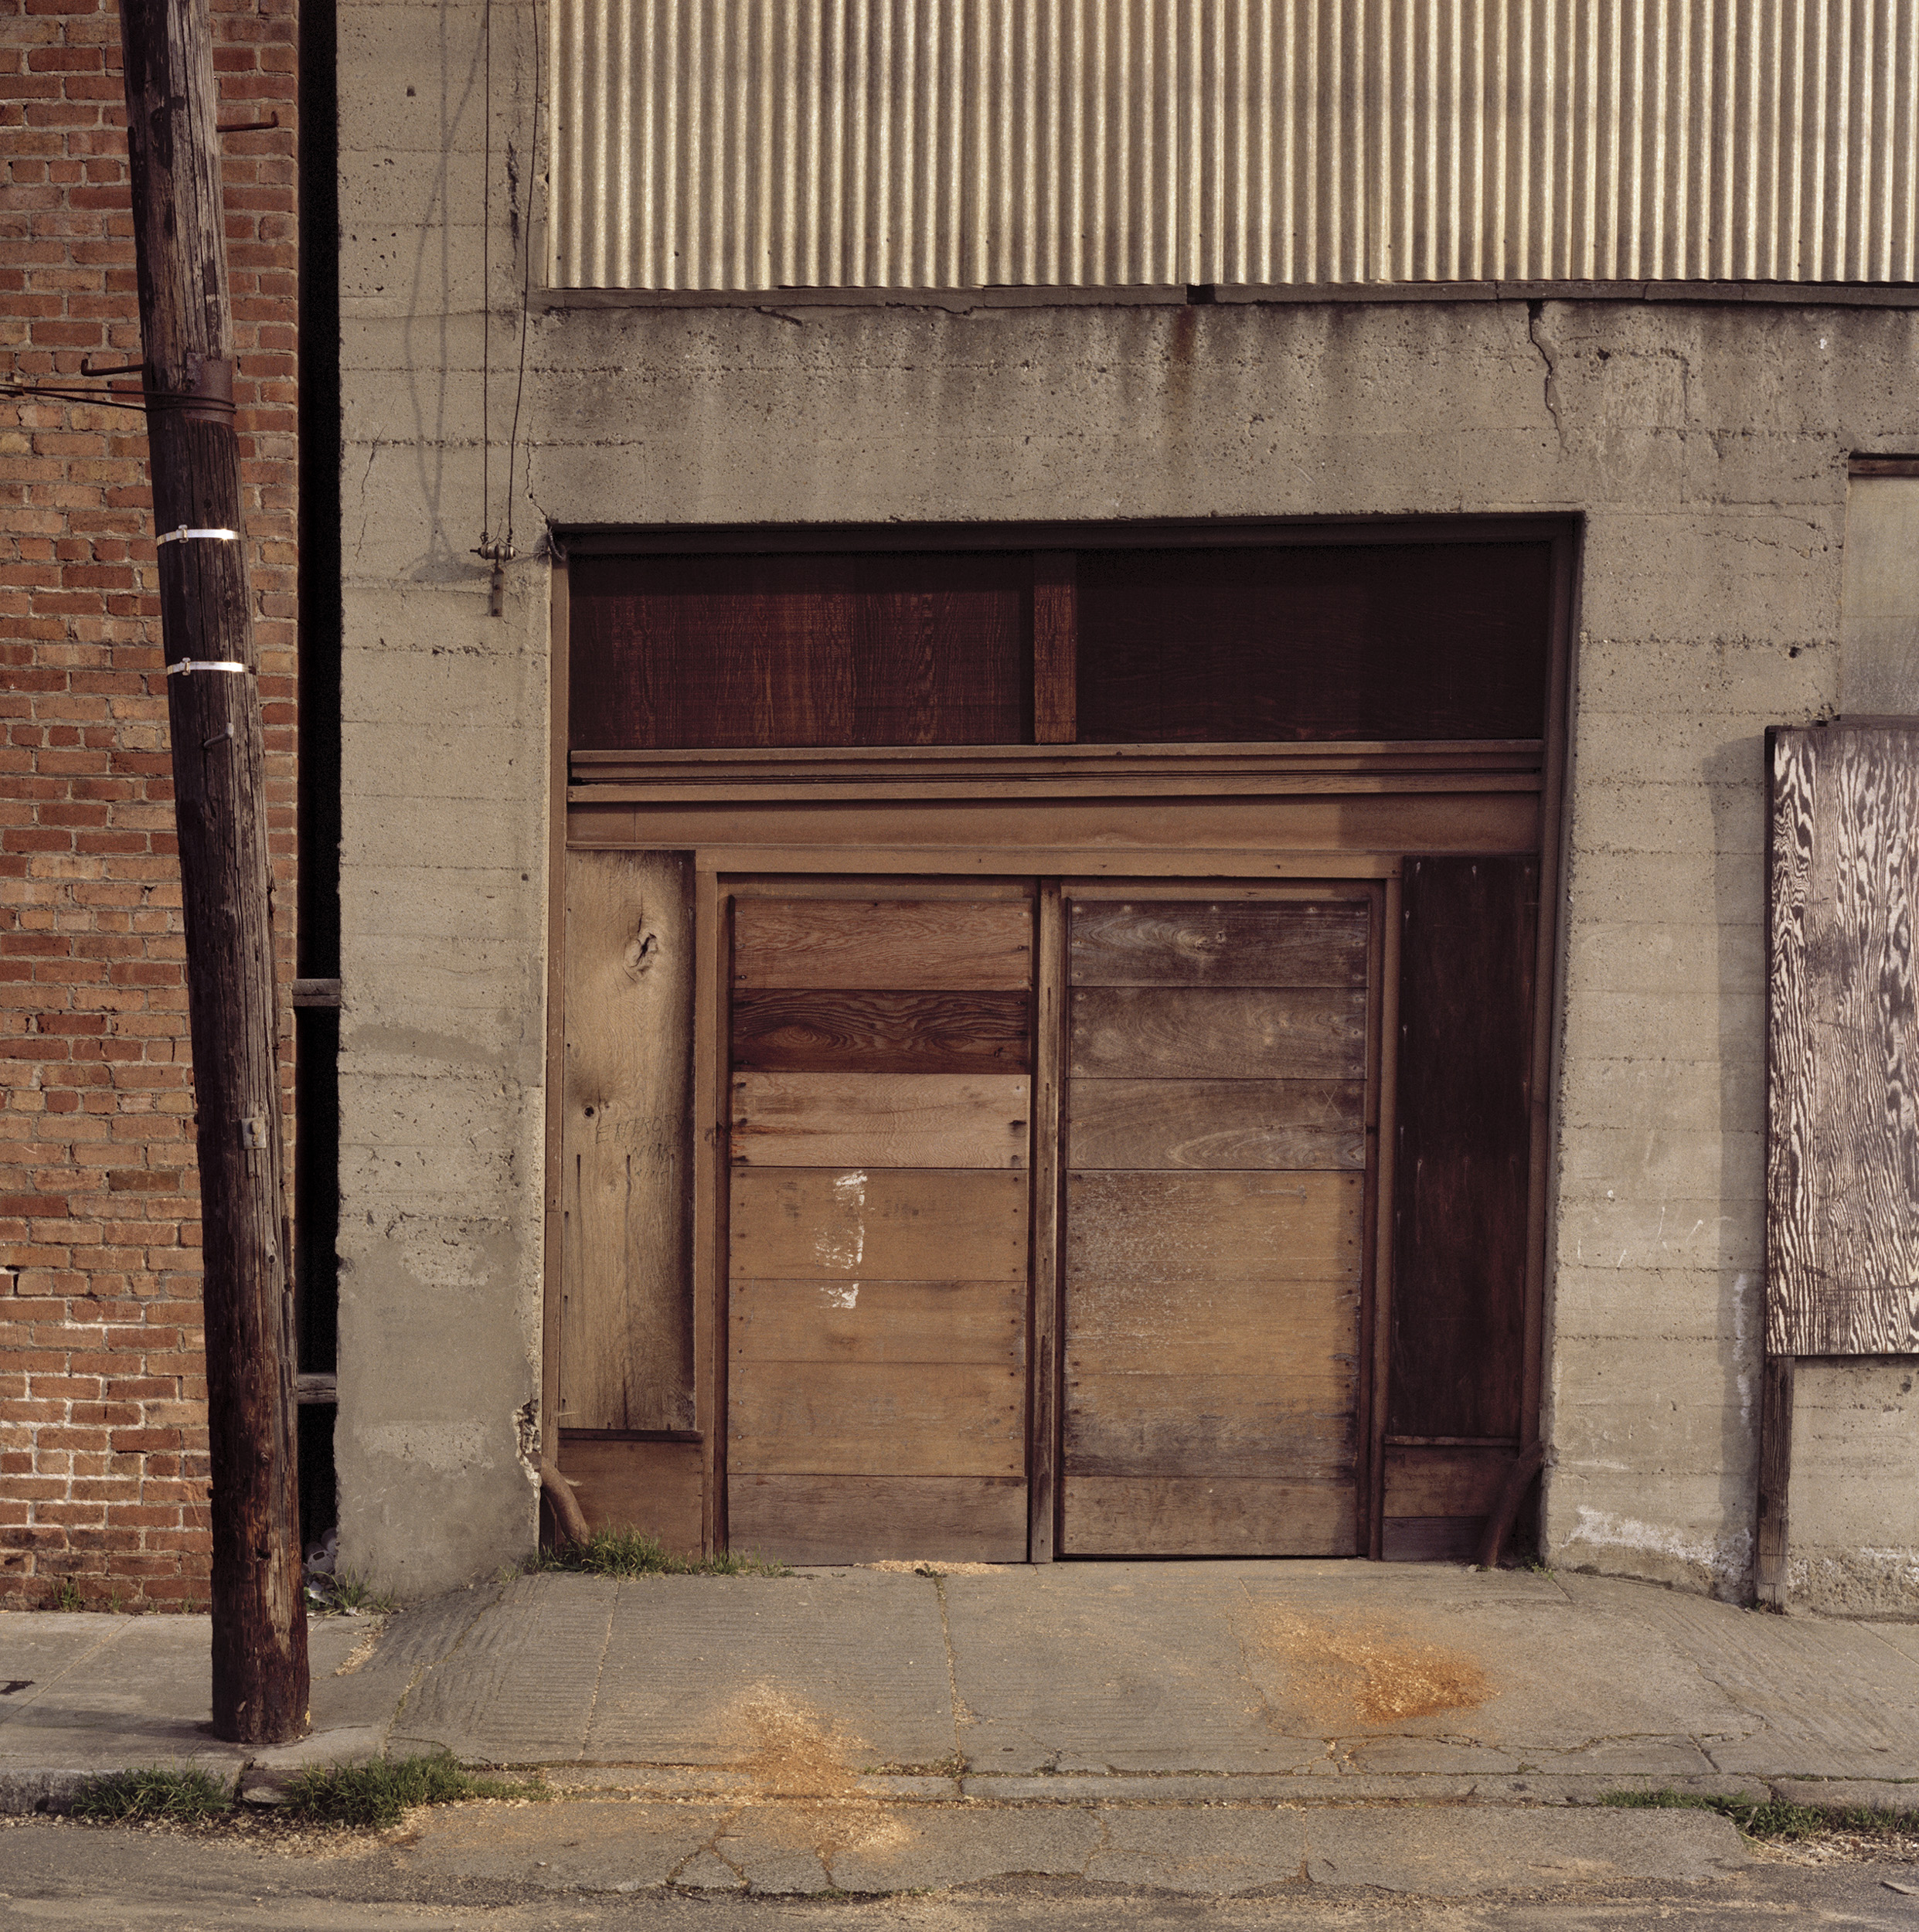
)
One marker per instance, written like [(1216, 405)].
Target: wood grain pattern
[(852, 1418), (626, 1318), (881, 1120), (1208, 1516), (1406, 641), (1219, 1032), (911, 945), (881, 1033), (1049, 1087), (1443, 1481), (1230, 1124), (840, 1224), (861, 1519), (1772, 1543), (1136, 1328), (892, 648), (1177, 1229), (1224, 943), (1462, 1167), (654, 1486), (1295, 1420), (1056, 627), (1429, 1540), (867, 1320)]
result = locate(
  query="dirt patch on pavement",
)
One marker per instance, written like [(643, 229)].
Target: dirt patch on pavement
[(788, 1748), (928, 1567), (1340, 1668)]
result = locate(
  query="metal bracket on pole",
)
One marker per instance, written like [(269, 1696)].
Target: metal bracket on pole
[(183, 535)]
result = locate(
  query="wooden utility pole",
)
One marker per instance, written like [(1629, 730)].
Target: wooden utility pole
[(259, 1627)]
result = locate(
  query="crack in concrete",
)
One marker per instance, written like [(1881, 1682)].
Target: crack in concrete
[(961, 1714), (599, 1669), (434, 1663), (1535, 314)]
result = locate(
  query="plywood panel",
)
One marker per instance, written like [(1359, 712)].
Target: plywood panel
[(1466, 956), (882, 1032), (1135, 1328), (1208, 1516), (920, 1419), (625, 1484), (1225, 943), (867, 1320), (1295, 1419), (859, 1519), (939, 945), (1842, 1207), (1435, 1480), (626, 1313), (1406, 641), (840, 1224), (892, 648), (1202, 1228), (1290, 1124), (1219, 1032), (881, 1120)]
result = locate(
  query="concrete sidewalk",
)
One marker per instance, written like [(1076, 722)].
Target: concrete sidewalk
[(1209, 1726)]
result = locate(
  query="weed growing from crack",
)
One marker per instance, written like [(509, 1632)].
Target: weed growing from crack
[(375, 1795), (633, 1552), (1771, 1818), (187, 1796), (348, 1593), (66, 1595)]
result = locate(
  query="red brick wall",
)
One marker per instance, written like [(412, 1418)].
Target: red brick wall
[(103, 1437)]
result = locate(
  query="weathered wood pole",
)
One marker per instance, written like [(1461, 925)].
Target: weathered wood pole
[(259, 1627)]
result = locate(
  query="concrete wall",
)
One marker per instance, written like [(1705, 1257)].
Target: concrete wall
[(1705, 445)]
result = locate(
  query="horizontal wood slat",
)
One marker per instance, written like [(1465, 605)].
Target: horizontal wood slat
[(882, 1031), (654, 1486), (1208, 1516), (918, 1419), (1228, 943), (1422, 1481), (1218, 1032), (1204, 1228), (939, 945), (1131, 1328), (807, 1224), (1295, 1420), (1223, 1124), (1430, 1539), (867, 1320), (881, 1120), (860, 1519)]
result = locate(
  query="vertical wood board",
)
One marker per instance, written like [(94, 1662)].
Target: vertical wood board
[(626, 1326)]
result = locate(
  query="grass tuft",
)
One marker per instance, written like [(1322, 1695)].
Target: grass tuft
[(634, 1552), (336, 1595), (66, 1596), (375, 1794), (126, 1797), (1771, 1818)]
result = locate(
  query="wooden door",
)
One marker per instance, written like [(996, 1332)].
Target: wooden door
[(1216, 1113), (878, 1269)]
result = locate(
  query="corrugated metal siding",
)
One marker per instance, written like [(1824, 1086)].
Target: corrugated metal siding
[(915, 143)]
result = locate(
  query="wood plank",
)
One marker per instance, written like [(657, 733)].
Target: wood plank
[(1396, 642), (840, 1224), (1049, 1086), (1296, 1419), (867, 1321), (626, 1327), (654, 1486), (1462, 1165), (1205, 1228), (881, 1120), (1218, 943), (1422, 1481), (1295, 1125), (1055, 647), (937, 945), (881, 1033), (865, 1519), (842, 648), (1429, 1540), (851, 1419), (1131, 1328), (1209, 1032), (1206, 1516), (1772, 1577)]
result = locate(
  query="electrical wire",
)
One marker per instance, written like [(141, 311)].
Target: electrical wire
[(526, 277)]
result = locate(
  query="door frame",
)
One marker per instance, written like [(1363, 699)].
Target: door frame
[(1151, 815)]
